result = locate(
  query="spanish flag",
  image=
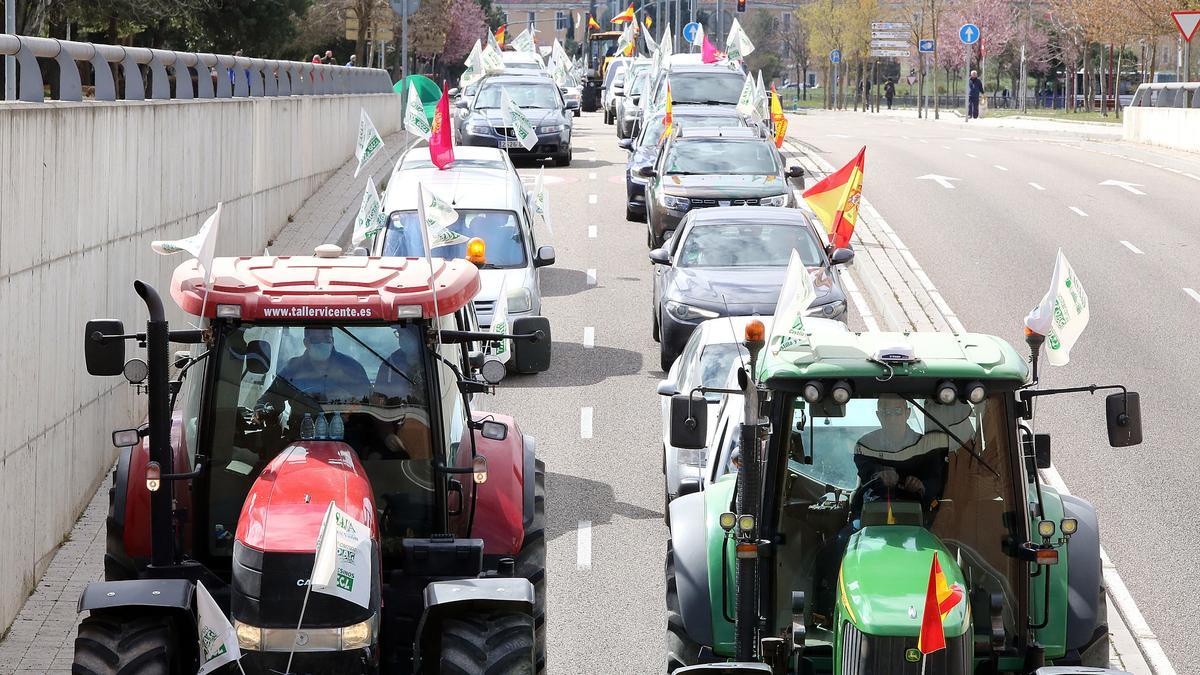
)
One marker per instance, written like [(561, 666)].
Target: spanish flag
[(648, 21), (668, 118), (778, 118), (627, 15), (592, 25), (500, 36), (835, 199), (940, 598)]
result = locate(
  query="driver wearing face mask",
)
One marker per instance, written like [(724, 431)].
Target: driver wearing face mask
[(324, 374)]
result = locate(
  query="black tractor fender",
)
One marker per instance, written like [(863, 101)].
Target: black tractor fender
[(689, 541), (528, 472), (170, 595), (1087, 606), (468, 596)]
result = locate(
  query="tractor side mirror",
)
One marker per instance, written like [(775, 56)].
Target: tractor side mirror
[(689, 422), (103, 352), (1124, 413), (532, 354), (258, 357), (841, 256), (1041, 451)]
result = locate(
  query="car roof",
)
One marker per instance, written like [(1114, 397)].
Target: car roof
[(737, 133), (466, 185), (519, 57), (704, 68), (510, 78)]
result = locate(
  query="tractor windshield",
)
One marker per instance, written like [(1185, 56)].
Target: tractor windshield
[(365, 386)]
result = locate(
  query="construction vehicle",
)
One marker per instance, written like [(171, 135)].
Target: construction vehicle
[(314, 380), (870, 456), (597, 52)]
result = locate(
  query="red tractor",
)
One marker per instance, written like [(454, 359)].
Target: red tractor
[(311, 381)]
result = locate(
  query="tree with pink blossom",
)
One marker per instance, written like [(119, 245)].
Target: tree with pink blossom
[(467, 24)]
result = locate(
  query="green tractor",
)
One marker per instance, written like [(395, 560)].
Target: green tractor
[(861, 457)]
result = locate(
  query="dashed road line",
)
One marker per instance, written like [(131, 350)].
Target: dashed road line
[(1002, 168), (1078, 211), (589, 337), (1131, 247), (945, 147), (590, 277), (592, 175), (1173, 169), (1194, 294), (583, 545), (585, 422), (1035, 186), (592, 199), (591, 231), (971, 156), (1192, 176)]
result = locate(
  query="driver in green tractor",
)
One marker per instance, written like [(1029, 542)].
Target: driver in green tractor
[(895, 457)]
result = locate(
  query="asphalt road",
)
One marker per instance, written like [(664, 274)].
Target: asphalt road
[(988, 243)]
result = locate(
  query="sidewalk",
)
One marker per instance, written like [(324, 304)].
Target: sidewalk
[(1086, 129)]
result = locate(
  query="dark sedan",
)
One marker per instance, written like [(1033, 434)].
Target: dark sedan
[(700, 168), (539, 98), (732, 262), (645, 146)]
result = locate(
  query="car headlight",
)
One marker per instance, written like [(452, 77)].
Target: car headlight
[(520, 300), (479, 129), (550, 129), (685, 312), (777, 200), (674, 203), (829, 310)]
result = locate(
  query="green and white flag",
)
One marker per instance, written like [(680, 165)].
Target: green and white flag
[(760, 92), (370, 219), (523, 42), (492, 63), (369, 141), (343, 562), (439, 215), (797, 294), (522, 128), (738, 45), (626, 39), (540, 199), (218, 640), (560, 64), (499, 349), (474, 64), (747, 104), (1062, 314), (491, 38), (202, 245), (415, 121)]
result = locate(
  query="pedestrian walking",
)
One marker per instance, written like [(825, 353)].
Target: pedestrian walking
[(329, 60), (974, 91), (889, 92), (351, 63)]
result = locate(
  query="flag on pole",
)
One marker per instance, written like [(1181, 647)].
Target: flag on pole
[(940, 599), (437, 215), (625, 42), (499, 348), (836, 197), (664, 44), (698, 36), (778, 118), (648, 21), (760, 93), (540, 199), (474, 64), (795, 297), (738, 45), (747, 106), (202, 245), (499, 37), (592, 25), (668, 118), (342, 567), (218, 640), (627, 15), (1062, 314), (415, 121), (492, 63), (516, 120), (708, 51), (369, 141), (524, 41), (370, 219), (441, 143)]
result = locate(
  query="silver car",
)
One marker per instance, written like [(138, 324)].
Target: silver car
[(629, 106)]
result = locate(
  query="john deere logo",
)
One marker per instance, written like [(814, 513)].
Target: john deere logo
[(912, 655)]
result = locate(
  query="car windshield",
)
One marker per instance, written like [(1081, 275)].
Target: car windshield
[(499, 230), (524, 94), (706, 87), (639, 83), (615, 69), (716, 361), (360, 389), (653, 131), (721, 156), (747, 244)]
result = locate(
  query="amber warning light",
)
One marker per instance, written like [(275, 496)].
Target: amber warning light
[(476, 251), (755, 332)]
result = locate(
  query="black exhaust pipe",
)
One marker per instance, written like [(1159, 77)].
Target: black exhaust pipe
[(158, 347)]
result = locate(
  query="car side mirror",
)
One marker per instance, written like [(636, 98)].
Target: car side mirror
[(659, 256), (461, 103), (667, 388), (841, 256), (636, 100), (453, 91), (544, 256), (258, 357), (647, 172), (572, 105), (1124, 413), (532, 354), (625, 144), (104, 353), (795, 172), (689, 421)]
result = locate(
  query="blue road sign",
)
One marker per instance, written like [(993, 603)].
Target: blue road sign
[(969, 34), (689, 31), (925, 46), (835, 56)]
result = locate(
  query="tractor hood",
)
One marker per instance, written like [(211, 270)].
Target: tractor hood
[(884, 577)]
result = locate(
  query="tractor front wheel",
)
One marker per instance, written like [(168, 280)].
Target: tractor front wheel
[(682, 650), (531, 561), (125, 642), (498, 642)]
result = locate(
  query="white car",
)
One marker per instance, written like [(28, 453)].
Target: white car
[(713, 352), (523, 61)]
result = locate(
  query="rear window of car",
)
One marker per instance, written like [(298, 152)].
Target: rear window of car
[(747, 244), (706, 87), (721, 156), (653, 133)]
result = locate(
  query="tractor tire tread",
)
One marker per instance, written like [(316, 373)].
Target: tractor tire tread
[(123, 643), (489, 643)]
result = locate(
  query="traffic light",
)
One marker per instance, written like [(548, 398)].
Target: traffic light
[(741, 5)]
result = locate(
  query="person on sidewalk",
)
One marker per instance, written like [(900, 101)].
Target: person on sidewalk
[(974, 91), (889, 92)]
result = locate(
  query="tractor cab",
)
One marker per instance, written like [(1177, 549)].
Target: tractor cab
[(599, 49), (874, 455), (329, 380)]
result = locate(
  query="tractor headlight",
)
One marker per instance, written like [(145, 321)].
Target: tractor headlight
[(829, 310), (777, 200), (947, 393), (359, 635), (976, 392), (745, 525), (1046, 528), (249, 637), (674, 203), (728, 520), (685, 312), (841, 392), (1069, 526), (813, 391)]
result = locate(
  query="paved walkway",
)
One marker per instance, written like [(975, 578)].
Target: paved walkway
[(1086, 129)]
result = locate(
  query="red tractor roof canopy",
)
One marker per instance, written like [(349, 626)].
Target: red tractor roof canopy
[(308, 288)]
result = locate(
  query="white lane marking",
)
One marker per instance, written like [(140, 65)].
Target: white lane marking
[(589, 337), (1128, 187), (1192, 176), (591, 231), (1173, 169), (971, 156), (1035, 186), (1147, 641), (1157, 166), (1135, 159), (944, 181), (1002, 168), (1078, 211), (1131, 247), (860, 302), (1194, 294), (592, 199), (583, 545), (922, 140), (591, 175), (585, 422), (945, 147), (591, 277)]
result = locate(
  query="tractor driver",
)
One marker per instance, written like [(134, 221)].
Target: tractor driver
[(400, 381), (895, 457), (321, 374)]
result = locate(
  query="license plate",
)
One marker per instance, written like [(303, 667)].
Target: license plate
[(724, 202), (509, 143)]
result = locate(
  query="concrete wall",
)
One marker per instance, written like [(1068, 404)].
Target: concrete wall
[(1177, 128), (84, 189)]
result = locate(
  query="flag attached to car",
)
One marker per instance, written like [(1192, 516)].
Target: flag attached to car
[(218, 640), (499, 349), (778, 118), (498, 38), (370, 219), (747, 104), (202, 245), (369, 141), (342, 567), (835, 200), (940, 599), (492, 63), (668, 117), (524, 42), (795, 297), (738, 45), (522, 129), (415, 121), (1062, 314), (441, 143), (474, 64), (540, 199), (437, 215)]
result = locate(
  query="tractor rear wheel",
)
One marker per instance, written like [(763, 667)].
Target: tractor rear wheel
[(127, 642), (498, 642), (682, 650), (531, 561)]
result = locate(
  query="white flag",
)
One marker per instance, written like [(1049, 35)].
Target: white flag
[(664, 45), (797, 294), (415, 121), (202, 245), (491, 38), (500, 348), (474, 64), (738, 45), (492, 63), (343, 561), (747, 104), (1062, 314), (369, 141), (218, 640), (438, 215), (698, 37), (541, 199), (625, 40), (523, 42), (370, 219), (516, 120)]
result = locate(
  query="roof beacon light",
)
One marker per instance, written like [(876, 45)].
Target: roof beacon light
[(755, 331), (947, 393), (813, 391), (895, 353), (976, 392), (841, 392), (476, 251)]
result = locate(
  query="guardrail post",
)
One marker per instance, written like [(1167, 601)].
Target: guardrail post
[(135, 90), (256, 70), (225, 76), (106, 89), (69, 87), (160, 84), (204, 75), (183, 77), (286, 75), (31, 89), (270, 78), (241, 77)]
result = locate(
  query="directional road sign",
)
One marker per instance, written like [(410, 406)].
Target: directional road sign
[(1187, 21), (891, 53), (689, 32), (890, 44), (889, 35), (969, 34), (835, 56), (405, 7), (902, 25), (925, 46)]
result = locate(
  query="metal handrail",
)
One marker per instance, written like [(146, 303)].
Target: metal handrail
[(1167, 95), (217, 75)]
